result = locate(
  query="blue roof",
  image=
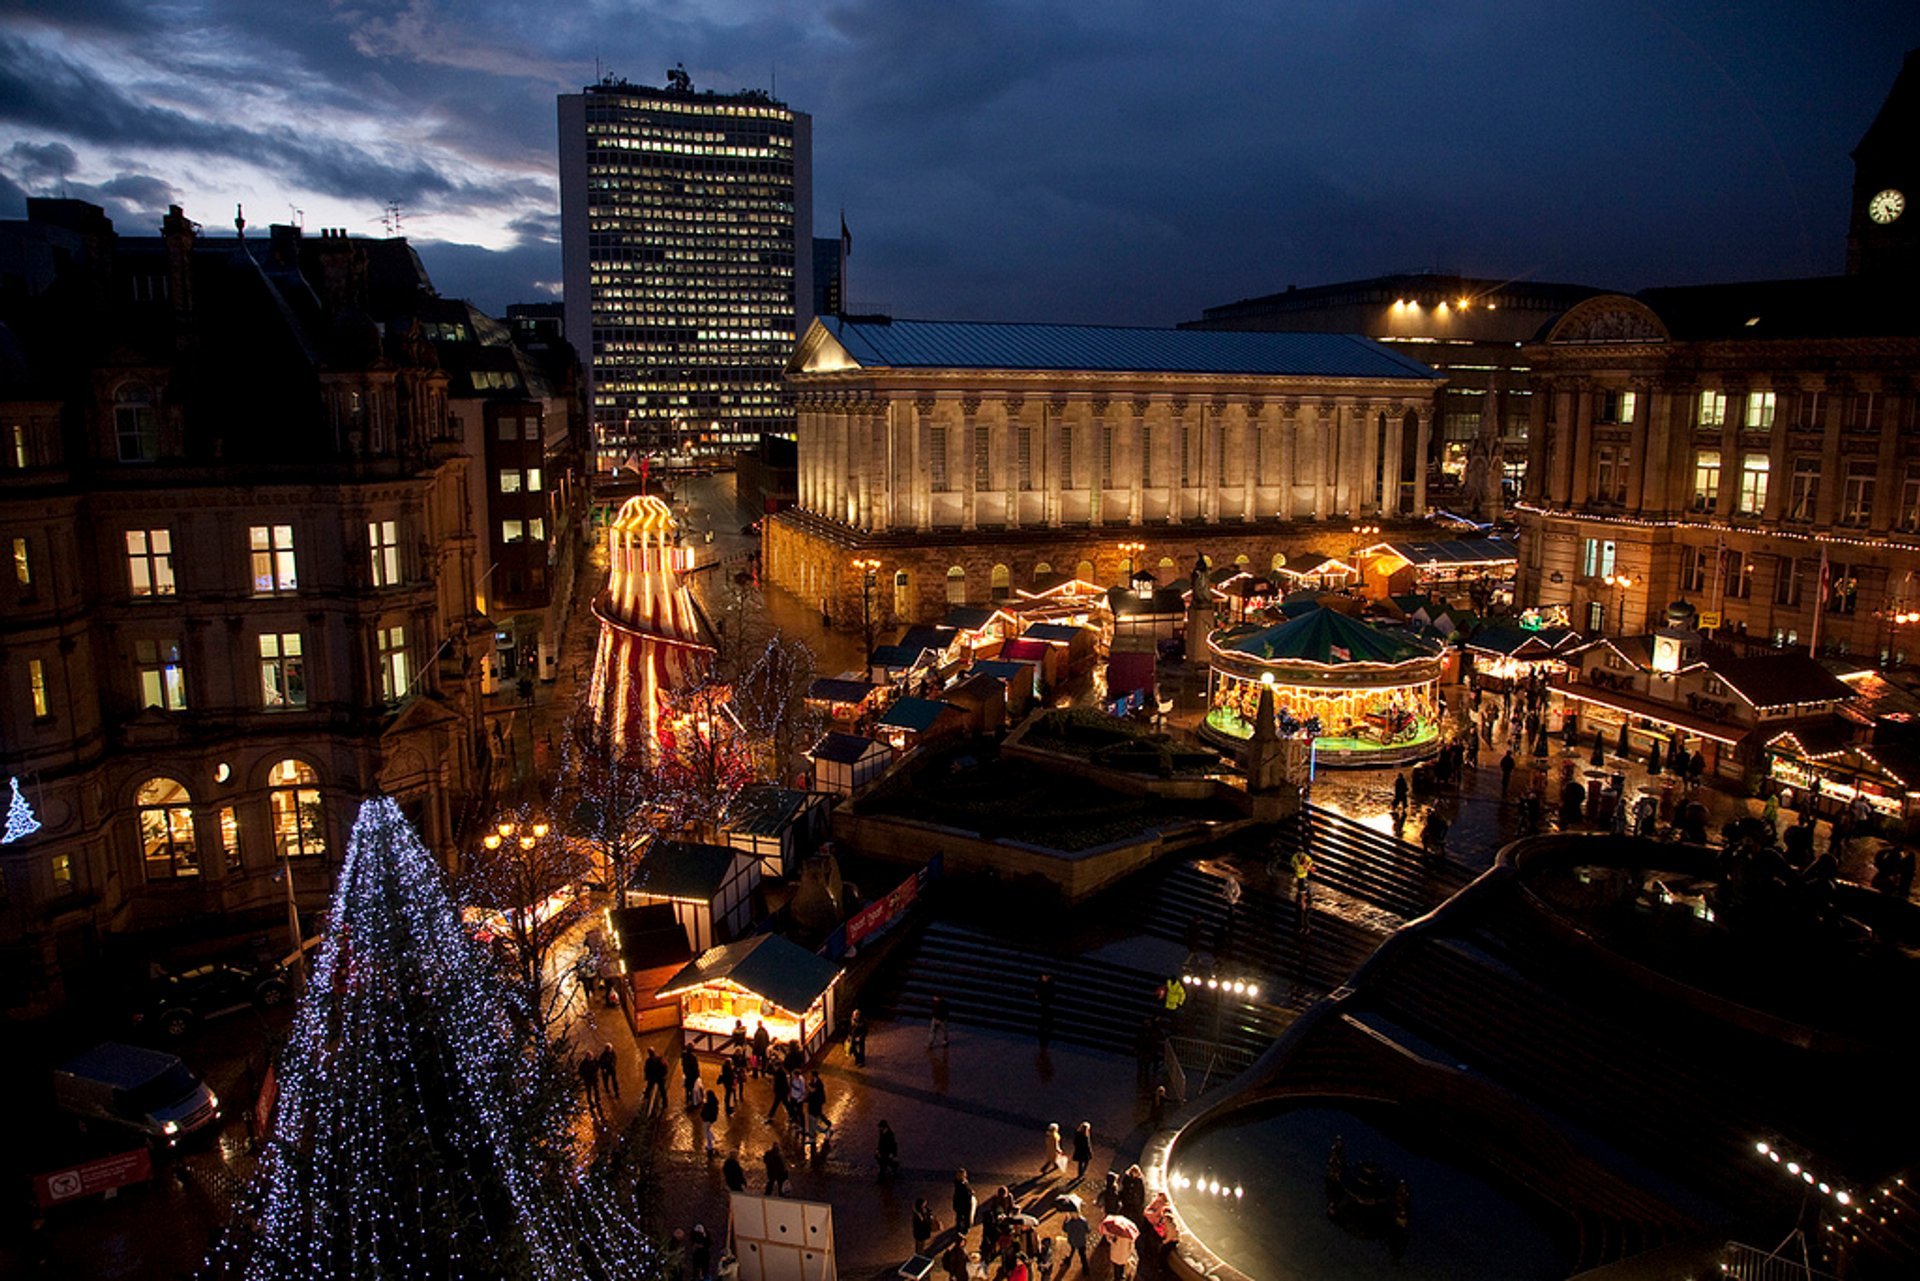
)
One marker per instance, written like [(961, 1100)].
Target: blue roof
[(916, 714), (682, 869), (844, 749), (969, 344)]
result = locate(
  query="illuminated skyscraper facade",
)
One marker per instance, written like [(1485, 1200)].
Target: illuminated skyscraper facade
[(687, 240)]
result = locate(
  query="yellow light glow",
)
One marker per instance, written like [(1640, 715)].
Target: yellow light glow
[(540, 829), (492, 841)]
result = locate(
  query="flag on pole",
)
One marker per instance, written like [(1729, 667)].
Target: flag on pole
[(846, 237)]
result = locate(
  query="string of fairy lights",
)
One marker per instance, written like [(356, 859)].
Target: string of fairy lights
[(410, 1136)]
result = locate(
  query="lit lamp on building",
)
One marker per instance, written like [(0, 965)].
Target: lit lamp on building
[(1361, 533), (1132, 550), (1620, 583), (868, 569)]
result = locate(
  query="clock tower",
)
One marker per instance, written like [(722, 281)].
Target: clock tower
[(1883, 228)]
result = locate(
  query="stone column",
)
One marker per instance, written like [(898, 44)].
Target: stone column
[(1256, 448), (1137, 461), (1639, 443), (1213, 452), (869, 462), (1423, 442), (1012, 409), (1537, 486), (923, 463), (1097, 474), (1289, 457), (969, 489), (1561, 445), (1178, 453), (1366, 493), (1582, 437), (1323, 448), (1833, 477), (1053, 483), (1391, 465)]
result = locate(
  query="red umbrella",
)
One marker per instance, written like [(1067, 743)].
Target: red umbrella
[(1119, 1225)]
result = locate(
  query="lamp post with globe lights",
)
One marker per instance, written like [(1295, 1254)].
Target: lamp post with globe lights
[(1620, 583), (869, 569)]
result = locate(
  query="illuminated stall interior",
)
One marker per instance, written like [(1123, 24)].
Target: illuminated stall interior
[(760, 980), (1375, 691), (1822, 766), (1509, 655)]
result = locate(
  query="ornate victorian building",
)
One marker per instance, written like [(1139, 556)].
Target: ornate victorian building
[(969, 459), (242, 587)]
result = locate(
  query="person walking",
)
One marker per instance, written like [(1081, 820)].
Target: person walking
[(1083, 1148), (937, 1023), (1400, 793), (590, 1081), (737, 1039), (1506, 772), (779, 1092), (924, 1224), (857, 1038), (1120, 1251), (955, 1263), (797, 1103), (1302, 881), (817, 1108), (654, 1073), (1052, 1159), (710, 1113), (690, 1077), (729, 1083), (1076, 1229), (609, 1069), (1043, 997), (963, 1206), (762, 1042), (775, 1162), (887, 1152), (734, 1173)]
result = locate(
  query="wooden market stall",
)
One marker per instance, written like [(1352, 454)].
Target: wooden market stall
[(764, 980), (710, 887)]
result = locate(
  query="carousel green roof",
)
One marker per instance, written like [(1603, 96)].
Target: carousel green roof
[(1325, 636)]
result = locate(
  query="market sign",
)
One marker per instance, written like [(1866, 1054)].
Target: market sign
[(93, 1178), (877, 917)]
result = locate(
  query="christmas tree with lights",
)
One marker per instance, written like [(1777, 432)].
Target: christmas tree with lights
[(413, 1133)]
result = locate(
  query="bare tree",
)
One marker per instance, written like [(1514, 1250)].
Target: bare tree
[(770, 702), (520, 887), (615, 799)]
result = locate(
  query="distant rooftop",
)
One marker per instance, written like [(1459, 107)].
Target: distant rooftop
[(884, 343)]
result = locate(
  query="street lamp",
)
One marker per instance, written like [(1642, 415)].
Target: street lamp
[(868, 568), (1620, 582), (1131, 550)]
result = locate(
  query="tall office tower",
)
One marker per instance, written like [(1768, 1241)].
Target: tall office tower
[(687, 241)]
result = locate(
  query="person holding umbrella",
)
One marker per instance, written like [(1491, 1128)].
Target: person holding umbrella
[(1120, 1233)]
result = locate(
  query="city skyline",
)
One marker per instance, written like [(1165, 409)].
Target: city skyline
[(1000, 162)]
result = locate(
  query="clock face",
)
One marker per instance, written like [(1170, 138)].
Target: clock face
[(1886, 206)]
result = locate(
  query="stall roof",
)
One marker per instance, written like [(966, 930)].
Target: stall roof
[(650, 936), (968, 618), (763, 809), (896, 656), (1514, 642), (839, 689), (1005, 669), (927, 636), (782, 972), (1165, 600), (682, 869), (1780, 680), (1326, 636), (1461, 552), (915, 714), (981, 687), (1062, 633), (845, 749)]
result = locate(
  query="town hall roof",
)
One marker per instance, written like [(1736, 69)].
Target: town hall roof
[(883, 342)]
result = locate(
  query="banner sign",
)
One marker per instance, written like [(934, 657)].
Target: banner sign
[(877, 917), (93, 1178)]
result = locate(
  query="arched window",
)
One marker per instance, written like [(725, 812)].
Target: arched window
[(902, 594), (1084, 571), (1002, 582), (136, 431), (956, 586), (1279, 560), (1166, 562), (166, 830), (299, 823), (1041, 570), (1242, 560)]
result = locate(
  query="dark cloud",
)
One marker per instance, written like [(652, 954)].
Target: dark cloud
[(492, 278), (1126, 161)]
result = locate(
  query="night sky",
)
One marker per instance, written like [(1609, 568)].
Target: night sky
[(1124, 162)]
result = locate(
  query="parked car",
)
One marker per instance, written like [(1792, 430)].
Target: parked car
[(175, 1002), (149, 1091)]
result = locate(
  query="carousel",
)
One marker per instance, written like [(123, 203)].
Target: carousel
[(1373, 692)]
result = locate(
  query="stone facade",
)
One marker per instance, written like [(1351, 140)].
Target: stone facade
[(994, 473), (1719, 445)]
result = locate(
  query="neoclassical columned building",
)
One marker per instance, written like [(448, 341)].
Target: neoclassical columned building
[(971, 458)]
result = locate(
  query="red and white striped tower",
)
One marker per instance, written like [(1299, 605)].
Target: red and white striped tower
[(650, 644)]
